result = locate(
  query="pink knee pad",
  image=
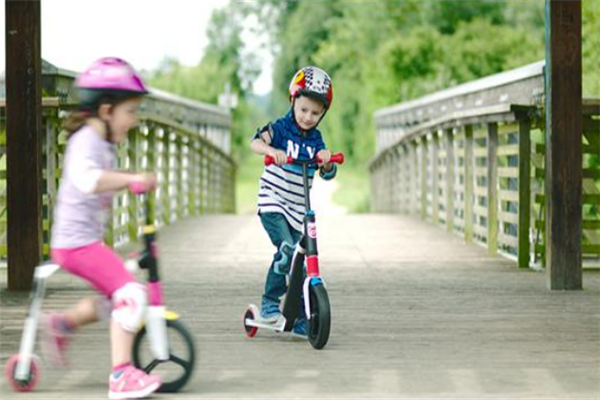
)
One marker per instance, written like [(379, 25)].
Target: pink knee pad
[(129, 306)]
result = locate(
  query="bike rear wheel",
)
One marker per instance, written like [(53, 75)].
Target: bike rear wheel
[(320, 317), (177, 370)]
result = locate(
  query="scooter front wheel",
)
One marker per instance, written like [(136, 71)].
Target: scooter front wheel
[(21, 385), (320, 317), (177, 370)]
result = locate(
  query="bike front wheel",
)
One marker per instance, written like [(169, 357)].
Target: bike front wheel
[(177, 370), (320, 317)]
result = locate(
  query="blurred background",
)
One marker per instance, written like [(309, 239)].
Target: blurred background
[(378, 53)]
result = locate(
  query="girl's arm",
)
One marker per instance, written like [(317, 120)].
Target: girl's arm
[(110, 181)]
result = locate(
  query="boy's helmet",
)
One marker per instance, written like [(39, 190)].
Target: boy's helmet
[(108, 79), (312, 82)]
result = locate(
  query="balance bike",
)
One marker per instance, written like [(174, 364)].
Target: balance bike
[(163, 345)]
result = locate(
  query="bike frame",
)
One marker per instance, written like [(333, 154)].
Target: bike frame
[(156, 320), (41, 274)]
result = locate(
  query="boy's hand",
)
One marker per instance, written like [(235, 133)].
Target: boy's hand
[(279, 156), (325, 155)]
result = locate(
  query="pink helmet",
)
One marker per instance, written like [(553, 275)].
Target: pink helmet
[(108, 78)]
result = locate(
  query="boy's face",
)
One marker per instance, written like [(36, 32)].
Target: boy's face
[(308, 112)]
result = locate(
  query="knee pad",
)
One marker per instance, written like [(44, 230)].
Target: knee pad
[(129, 306), (283, 259)]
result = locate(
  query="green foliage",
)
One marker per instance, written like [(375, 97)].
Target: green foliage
[(447, 15), (378, 53), (591, 48)]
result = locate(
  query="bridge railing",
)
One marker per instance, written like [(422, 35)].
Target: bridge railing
[(471, 160), (186, 143)]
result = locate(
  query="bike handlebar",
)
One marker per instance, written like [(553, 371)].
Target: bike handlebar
[(140, 187), (337, 158)]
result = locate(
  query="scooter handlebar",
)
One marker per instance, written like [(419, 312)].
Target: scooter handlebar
[(271, 160), (337, 158)]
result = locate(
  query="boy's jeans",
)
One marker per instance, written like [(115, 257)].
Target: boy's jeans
[(279, 231)]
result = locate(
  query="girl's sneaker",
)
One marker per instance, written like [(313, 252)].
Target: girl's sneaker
[(55, 339), (133, 383)]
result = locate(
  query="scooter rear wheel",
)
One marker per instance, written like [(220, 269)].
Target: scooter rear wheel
[(21, 385), (250, 330), (320, 317), (177, 370)]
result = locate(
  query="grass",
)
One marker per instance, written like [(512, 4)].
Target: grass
[(246, 187), (352, 192)]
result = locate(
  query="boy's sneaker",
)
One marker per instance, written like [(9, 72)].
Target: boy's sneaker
[(133, 383), (269, 312), (299, 328), (55, 339)]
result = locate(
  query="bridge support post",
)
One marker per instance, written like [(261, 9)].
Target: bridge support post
[(449, 179), (424, 151), (492, 188), (563, 145), (469, 184), (524, 192), (23, 140), (435, 159)]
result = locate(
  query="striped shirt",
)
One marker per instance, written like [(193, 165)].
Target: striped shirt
[(281, 189)]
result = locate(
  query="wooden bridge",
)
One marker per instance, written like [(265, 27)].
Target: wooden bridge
[(416, 313), (418, 309)]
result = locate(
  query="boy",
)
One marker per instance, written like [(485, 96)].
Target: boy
[(281, 195)]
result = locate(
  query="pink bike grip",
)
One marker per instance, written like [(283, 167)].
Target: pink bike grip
[(139, 187)]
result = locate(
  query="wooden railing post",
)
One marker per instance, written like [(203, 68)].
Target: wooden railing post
[(524, 192), (449, 179), (133, 140), (414, 168), (469, 184), (23, 143), (435, 159), (166, 170), (151, 158), (424, 150), (563, 145), (492, 188)]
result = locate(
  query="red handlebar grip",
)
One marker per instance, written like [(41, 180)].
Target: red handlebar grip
[(271, 160), (337, 158)]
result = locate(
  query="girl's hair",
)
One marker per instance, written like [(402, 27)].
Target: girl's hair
[(75, 121)]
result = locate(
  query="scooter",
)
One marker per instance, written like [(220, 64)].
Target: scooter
[(154, 348), (305, 288)]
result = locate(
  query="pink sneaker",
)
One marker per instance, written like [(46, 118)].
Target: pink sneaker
[(55, 339), (132, 384)]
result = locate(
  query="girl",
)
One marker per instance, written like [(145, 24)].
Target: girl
[(110, 92)]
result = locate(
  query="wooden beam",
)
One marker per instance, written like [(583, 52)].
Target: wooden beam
[(524, 192), (424, 150), (449, 133), (563, 145), (492, 188), (23, 140), (435, 201), (469, 189)]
